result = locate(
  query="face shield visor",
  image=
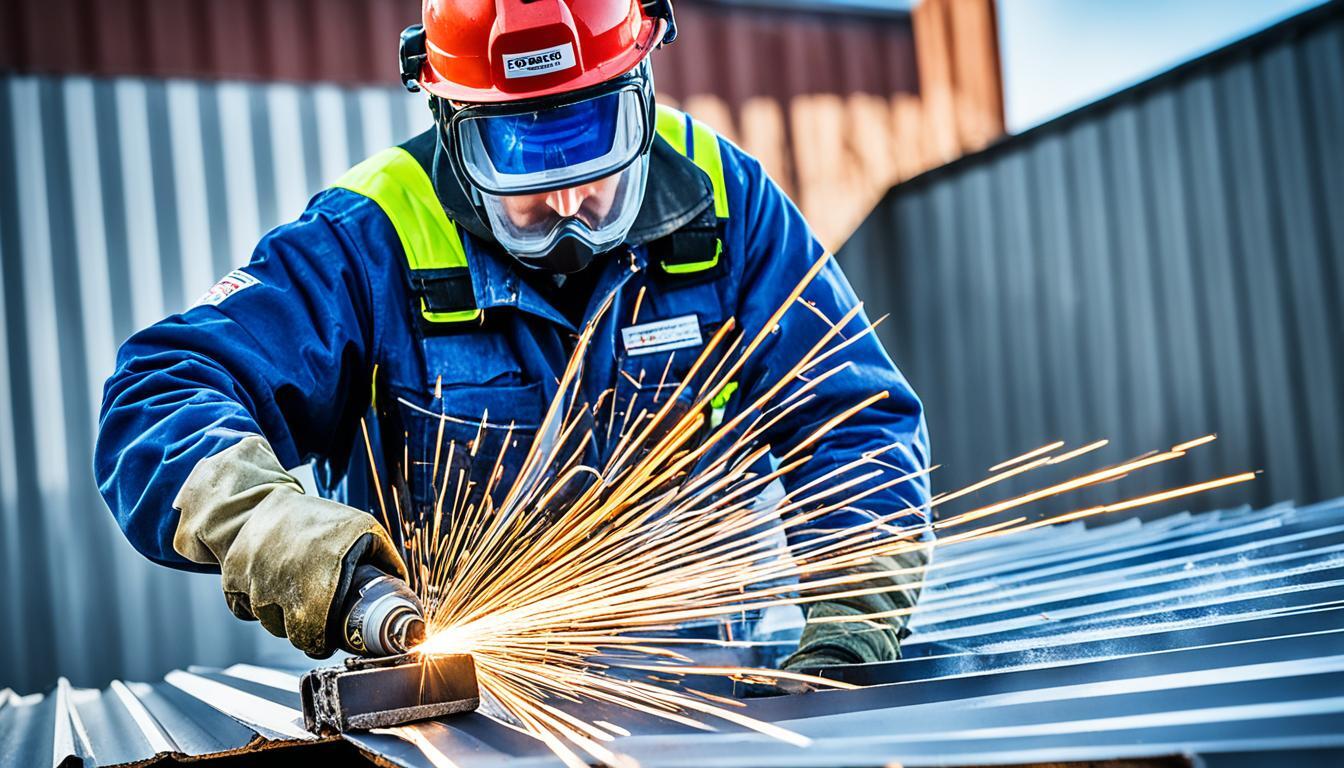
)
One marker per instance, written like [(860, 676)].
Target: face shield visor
[(559, 167)]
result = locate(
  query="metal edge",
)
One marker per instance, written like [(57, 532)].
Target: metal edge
[(160, 742), (406, 715), (273, 721)]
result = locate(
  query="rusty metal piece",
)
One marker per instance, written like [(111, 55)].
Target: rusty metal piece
[(389, 691)]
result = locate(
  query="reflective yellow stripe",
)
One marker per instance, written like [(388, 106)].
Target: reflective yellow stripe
[(722, 397), (671, 125), (373, 388), (706, 145), (695, 266), (460, 316), (719, 404), (397, 183)]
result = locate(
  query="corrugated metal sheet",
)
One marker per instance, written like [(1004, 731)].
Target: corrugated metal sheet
[(120, 202), (1218, 635), (1164, 263), (838, 105)]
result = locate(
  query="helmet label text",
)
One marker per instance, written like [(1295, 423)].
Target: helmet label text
[(540, 62)]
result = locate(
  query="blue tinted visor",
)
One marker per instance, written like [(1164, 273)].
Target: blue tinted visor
[(524, 152), (552, 140)]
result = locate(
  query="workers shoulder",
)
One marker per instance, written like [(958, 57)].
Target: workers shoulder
[(272, 349), (749, 207)]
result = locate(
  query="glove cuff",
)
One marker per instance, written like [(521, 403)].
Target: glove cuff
[(282, 554)]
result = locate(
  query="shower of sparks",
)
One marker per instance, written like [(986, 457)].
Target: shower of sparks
[(560, 584)]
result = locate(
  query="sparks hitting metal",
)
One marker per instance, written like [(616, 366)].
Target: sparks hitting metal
[(554, 600)]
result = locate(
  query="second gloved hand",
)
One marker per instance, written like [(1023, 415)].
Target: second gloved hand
[(831, 643), (285, 558)]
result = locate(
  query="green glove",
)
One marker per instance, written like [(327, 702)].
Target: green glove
[(285, 558), (829, 644)]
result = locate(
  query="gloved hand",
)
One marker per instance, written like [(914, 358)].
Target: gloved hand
[(285, 558), (830, 644)]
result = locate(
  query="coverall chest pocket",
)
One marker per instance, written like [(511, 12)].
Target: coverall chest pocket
[(456, 441), (475, 412)]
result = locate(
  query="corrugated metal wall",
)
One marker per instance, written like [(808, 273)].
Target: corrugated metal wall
[(122, 201), (1165, 263), (838, 105)]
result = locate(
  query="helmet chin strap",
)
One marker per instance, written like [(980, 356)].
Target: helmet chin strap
[(567, 256)]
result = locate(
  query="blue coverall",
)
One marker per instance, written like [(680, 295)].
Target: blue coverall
[(326, 301)]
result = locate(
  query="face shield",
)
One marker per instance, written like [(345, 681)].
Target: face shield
[(558, 168)]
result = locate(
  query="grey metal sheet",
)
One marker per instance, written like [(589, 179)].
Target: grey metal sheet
[(287, 698), (26, 730), (1072, 649), (270, 720), (1098, 578), (1224, 705), (112, 728), (1133, 668), (945, 680), (195, 727), (944, 748), (1145, 619), (1130, 555), (1176, 583)]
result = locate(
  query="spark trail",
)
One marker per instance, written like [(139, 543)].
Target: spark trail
[(560, 584)]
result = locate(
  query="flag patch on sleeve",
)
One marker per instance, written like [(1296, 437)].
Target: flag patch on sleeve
[(228, 285)]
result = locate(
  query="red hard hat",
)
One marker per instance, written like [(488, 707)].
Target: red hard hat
[(485, 51)]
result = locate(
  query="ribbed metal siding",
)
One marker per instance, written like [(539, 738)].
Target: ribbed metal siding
[(1165, 263), (121, 201), (837, 105)]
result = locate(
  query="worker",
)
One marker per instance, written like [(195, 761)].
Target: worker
[(439, 285)]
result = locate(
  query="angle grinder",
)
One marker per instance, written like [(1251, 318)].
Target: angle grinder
[(380, 616), (386, 684)]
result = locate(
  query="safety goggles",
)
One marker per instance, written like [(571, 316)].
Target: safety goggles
[(598, 214), (547, 144)]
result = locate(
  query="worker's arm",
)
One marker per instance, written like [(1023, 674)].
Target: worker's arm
[(206, 408), (780, 250)]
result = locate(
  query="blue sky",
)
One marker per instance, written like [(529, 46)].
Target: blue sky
[(1061, 54)]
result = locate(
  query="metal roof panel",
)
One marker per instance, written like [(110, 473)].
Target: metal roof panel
[(1129, 658)]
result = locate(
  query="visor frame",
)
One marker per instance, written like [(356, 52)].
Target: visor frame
[(638, 80)]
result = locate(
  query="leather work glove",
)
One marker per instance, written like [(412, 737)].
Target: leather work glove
[(827, 644), (285, 558)]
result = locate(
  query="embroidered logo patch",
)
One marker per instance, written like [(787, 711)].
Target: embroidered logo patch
[(541, 62), (227, 286), (662, 335)]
